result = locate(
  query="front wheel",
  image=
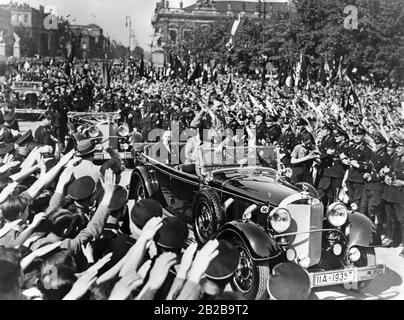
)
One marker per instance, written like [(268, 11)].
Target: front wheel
[(251, 277), (367, 259)]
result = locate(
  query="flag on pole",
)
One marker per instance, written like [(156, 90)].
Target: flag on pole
[(298, 70), (106, 74), (229, 87), (197, 73), (233, 31)]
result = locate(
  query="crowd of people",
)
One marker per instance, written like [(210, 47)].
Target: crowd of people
[(67, 230)]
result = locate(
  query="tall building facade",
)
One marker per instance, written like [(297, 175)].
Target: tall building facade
[(29, 23)]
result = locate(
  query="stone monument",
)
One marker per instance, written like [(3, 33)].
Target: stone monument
[(16, 47), (2, 45), (157, 49)]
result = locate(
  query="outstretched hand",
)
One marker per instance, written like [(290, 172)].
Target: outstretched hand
[(7, 191), (159, 271), (109, 182), (150, 229), (202, 260), (186, 260), (124, 287)]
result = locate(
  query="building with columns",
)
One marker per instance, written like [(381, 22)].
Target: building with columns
[(173, 25)]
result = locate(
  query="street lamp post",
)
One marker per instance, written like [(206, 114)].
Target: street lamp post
[(128, 25)]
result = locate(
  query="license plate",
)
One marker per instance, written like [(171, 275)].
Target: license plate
[(331, 278)]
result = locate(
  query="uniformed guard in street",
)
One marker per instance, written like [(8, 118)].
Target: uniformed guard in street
[(332, 168), (394, 192), (287, 142), (371, 204), (358, 156)]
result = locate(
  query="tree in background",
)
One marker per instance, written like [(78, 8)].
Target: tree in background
[(375, 49)]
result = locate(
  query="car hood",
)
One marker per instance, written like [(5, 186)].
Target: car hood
[(258, 187)]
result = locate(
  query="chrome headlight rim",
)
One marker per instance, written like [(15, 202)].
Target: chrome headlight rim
[(274, 222), (340, 219)]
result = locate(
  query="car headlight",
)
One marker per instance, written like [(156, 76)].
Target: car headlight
[(279, 219), (337, 214)]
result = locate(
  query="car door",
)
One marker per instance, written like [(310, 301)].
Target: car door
[(184, 187)]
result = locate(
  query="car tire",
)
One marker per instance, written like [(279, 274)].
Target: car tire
[(140, 191), (251, 277), (208, 215), (367, 259)]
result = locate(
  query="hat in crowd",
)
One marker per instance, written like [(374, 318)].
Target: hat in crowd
[(119, 198), (273, 118), (225, 263), (6, 148), (358, 131), (81, 189), (173, 233), (85, 147), (341, 132), (392, 143), (50, 163), (9, 274), (24, 138), (261, 113), (114, 164), (380, 139), (302, 122), (144, 210), (289, 281)]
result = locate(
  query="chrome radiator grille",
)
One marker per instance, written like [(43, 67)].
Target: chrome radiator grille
[(306, 218)]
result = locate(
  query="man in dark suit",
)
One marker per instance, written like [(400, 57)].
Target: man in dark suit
[(43, 135), (261, 128)]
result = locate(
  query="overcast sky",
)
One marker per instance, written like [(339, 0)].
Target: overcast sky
[(110, 15)]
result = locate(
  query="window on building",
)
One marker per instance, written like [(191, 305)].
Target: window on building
[(187, 35), (173, 36), (25, 18), (14, 18)]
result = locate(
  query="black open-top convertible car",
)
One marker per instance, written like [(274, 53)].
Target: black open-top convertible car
[(267, 218)]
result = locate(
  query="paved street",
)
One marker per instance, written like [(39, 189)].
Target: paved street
[(388, 287)]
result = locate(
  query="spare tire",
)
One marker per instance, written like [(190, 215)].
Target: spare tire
[(208, 215)]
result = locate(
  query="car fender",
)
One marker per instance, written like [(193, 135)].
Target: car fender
[(148, 178), (362, 232), (261, 245)]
